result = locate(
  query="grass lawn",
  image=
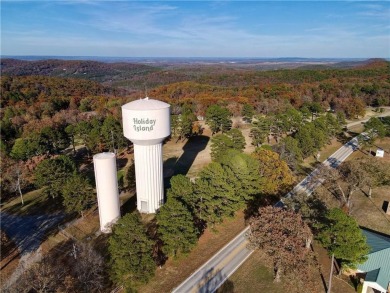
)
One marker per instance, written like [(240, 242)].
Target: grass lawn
[(35, 202), (368, 211), (254, 275)]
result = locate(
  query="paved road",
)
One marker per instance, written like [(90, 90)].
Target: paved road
[(28, 232), (216, 270), (311, 182), (384, 114)]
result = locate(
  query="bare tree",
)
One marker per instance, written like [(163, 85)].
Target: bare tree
[(88, 268), (42, 277), (344, 181)]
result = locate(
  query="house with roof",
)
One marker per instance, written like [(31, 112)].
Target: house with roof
[(377, 266)]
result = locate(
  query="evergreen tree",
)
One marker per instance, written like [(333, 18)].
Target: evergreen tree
[(218, 118), (23, 149), (53, 140), (247, 113), (340, 116), (289, 151), (260, 130), (341, 235), (77, 194), (130, 176), (258, 136), (176, 228), (53, 173), (216, 195), (71, 131), (237, 138), (131, 250), (111, 130), (333, 125), (175, 125), (233, 139), (246, 174), (375, 127), (186, 122), (182, 189), (306, 141)]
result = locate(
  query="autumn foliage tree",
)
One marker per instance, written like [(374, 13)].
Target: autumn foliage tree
[(283, 235), (275, 175)]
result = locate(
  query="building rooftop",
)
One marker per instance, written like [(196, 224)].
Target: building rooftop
[(377, 265)]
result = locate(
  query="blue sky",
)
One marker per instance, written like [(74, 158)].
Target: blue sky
[(318, 29)]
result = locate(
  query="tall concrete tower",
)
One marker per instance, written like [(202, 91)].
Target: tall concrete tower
[(146, 122), (107, 190)]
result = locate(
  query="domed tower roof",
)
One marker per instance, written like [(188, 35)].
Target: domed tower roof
[(146, 121)]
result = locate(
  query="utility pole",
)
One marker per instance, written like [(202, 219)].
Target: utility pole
[(331, 274), (74, 251)]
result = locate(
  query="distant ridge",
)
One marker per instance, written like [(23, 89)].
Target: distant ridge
[(200, 60), (374, 63)]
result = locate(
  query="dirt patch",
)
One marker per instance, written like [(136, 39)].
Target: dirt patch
[(195, 152)]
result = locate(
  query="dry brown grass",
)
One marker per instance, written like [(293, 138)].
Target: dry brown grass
[(368, 212)]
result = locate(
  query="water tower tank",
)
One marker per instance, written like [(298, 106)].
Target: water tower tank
[(146, 122), (107, 190)]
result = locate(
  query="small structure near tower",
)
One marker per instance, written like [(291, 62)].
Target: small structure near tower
[(380, 153), (107, 190), (146, 122)]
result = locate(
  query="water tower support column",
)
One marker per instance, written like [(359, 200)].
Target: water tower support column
[(149, 177), (146, 122)]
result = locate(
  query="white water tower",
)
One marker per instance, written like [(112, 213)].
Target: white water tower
[(146, 122), (107, 190)]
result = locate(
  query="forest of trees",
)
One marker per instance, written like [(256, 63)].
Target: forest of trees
[(56, 114)]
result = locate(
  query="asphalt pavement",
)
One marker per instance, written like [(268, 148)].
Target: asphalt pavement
[(28, 232), (210, 276)]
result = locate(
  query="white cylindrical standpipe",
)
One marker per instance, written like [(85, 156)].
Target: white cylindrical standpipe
[(149, 177), (107, 190)]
